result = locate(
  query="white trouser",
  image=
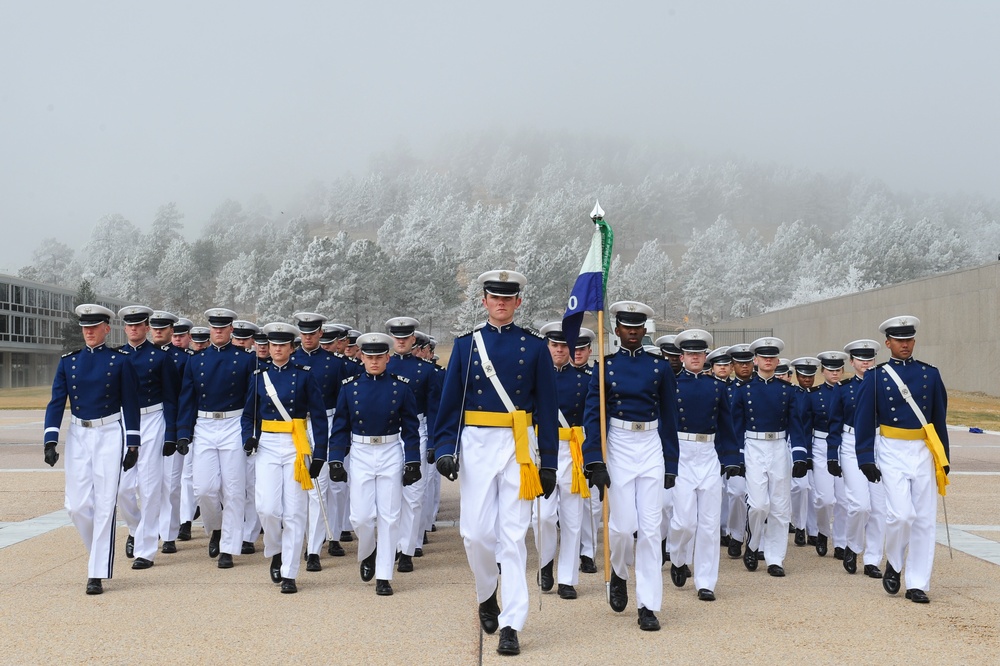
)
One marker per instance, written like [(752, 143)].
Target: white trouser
[(801, 497), (280, 500), (494, 519), (839, 512), (734, 508), (411, 522), (636, 497), (220, 470), (432, 493), (316, 531), (769, 488), (593, 519), (189, 505), (865, 506), (822, 485), (141, 488), (694, 528), (668, 513), (911, 508), (567, 509), (170, 500), (376, 496), (340, 519), (251, 520), (93, 468)]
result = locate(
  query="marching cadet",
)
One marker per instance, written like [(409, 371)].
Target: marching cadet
[(351, 351), (419, 375), (566, 506), (803, 507), (763, 412), (243, 333), (832, 366), (140, 490), (199, 338), (432, 488), (865, 500), (784, 370), (281, 399), (499, 383), (328, 372), (213, 391), (900, 403), (334, 341), (243, 336), (641, 411), (707, 446), (102, 389), (734, 511), (593, 512), (721, 364), (181, 336), (670, 351), (328, 337), (182, 341), (375, 410)]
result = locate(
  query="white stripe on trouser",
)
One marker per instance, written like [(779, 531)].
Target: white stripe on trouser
[(220, 471), (801, 498), (280, 499), (411, 523), (865, 507), (567, 509), (769, 487), (316, 530), (93, 468), (189, 504), (635, 464), (170, 500), (911, 508), (734, 508), (140, 491), (251, 519), (694, 528), (822, 484), (376, 495), (493, 519)]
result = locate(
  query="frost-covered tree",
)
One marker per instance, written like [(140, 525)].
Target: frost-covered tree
[(178, 280), (52, 262)]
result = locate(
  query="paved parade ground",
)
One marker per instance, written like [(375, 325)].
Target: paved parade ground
[(185, 610)]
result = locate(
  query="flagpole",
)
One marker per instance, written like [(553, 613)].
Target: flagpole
[(604, 453)]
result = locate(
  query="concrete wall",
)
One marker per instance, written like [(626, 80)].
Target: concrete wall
[(959, 330)]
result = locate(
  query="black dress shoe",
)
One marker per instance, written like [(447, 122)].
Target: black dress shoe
[(213, 543), (619, 593), (368, 567), (312, 563), (750, 558), (811, 541), (838, 553), (706, 595), (567, 591), (664, 553), (418, 552), (130, 547), (917, 596), (724, 541), (169, 547), (890, 582), (335, 549), (508, 644), (225, 561), (850, 561), (587, 564), (346, 536), (288, 586), (872, 571), (197, 512), (184, 532), (821, 543), (434, 528), (276, 569), (648, 621), (489, 614), (776, 570), (800, 538), (679, 574), (142, 563), (545, 579), (94, 586), (383, 588), (735, 549), (426, 540), (405, 564), (248, 548)]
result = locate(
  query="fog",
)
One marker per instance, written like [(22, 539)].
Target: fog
[(122, 107)]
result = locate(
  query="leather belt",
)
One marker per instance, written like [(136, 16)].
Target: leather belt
[(152, 408), (377, 439), (94, 423), (765, 435), (634, 426), (220, 415), (696, 436)]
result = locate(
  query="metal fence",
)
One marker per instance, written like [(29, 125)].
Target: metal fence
[(724, 337)]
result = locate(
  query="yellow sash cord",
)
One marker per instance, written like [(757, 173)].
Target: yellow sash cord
[(302, 449), (930, 437), (519, 421), (574, 435)]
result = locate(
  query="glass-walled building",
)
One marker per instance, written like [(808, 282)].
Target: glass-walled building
[(31, 319)]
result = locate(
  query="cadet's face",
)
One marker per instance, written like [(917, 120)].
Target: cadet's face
[(245, 343), (722, 371), (351, 351), (161, 336), (676, 363), (136, 333), (559, 353), (694, 361), (833, 376), (220, 336), (766, 365), (94, 335), (198, 346), (279, 352), (403, 345), (263, 349), (182, 340), (310, 341), (581, 356), (329, 346), (501, 308), (861, 365), (375, 365), (630, 336), (805, 381), (743, 369), (340, 345), (901, 349)]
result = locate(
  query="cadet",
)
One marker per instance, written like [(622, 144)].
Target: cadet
[(641, 412), (814, 414), (243, 336), (763, 413), (803, 508), (734, 511), (424, 348), (907, 469), (670, 351), (181, 335), (832, 364), (707, 445), (499, 383), (593, 512), (199, 338), (140, 490), (182, 348), (273, 424), (103, 393), (213, 392), (375, 410)]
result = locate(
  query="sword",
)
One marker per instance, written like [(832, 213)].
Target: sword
[(947, 527)]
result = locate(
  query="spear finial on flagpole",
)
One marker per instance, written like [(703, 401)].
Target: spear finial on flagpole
[(598, 212)]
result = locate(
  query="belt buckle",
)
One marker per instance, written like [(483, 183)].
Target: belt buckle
[(489, 370), (86, 424), (376, 440), (638, 425), (701, 437), (218, 415), (770, 435)]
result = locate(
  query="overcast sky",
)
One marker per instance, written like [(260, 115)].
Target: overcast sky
[(121, 107)]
